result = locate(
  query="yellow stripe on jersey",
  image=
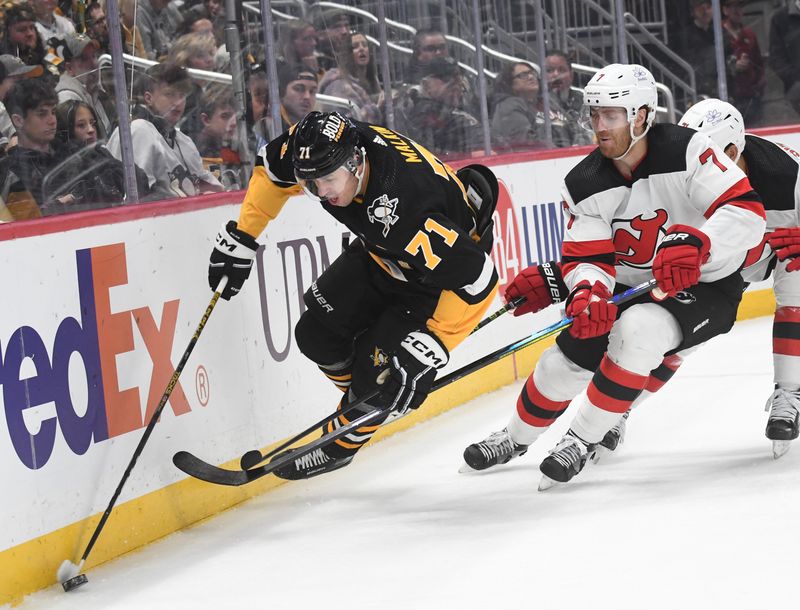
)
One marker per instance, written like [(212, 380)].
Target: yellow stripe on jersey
[(263, 202), (454, 318)]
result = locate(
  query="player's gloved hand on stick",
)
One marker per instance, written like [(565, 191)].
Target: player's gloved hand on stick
[(592, 315), (678, 258), (541, 285), (233, 254), (785, 242), (412, 370)]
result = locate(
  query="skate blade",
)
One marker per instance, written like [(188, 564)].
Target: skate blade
[(600, 454), (465, 468), (779, 448), (546, 483)]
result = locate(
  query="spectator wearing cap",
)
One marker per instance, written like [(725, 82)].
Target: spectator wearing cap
[(131, 36), (356, 78), (80, 79), (170, 159), (332, 27), (48, 23), (97, 27), (746, 76), (784, 50), (566, 103), (518, 117), (157, 21), (12, 70), (21, 38), (432, 113), (298, 90)]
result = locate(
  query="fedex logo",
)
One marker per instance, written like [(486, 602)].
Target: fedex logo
[(35, 378)]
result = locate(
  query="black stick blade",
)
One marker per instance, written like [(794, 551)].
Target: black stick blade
[(197, 468)]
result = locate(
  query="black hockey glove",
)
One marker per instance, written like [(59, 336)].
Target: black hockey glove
[(412, 369), (233, 254)]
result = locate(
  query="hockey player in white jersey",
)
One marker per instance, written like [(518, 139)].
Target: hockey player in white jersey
[(657, 200)]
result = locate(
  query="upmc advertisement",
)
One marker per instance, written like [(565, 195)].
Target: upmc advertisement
[(94, 319)]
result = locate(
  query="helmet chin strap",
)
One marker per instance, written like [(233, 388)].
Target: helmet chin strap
[(360, 175), (634, 140)]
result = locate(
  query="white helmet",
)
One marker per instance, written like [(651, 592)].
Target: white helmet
[(719, 120), (628, 86)]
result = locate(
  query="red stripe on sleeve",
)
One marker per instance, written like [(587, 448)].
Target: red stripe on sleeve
[(730, 197), (585, 249)]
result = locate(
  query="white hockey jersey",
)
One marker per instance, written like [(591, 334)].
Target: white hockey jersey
[(614, 225), (774, 172)]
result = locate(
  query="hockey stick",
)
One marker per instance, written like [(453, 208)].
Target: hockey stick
[(255, 457), (202, 470), (69, 574)]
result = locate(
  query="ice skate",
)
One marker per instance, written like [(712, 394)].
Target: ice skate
[(497, 448), (612, 439), (315, 463), (782, 426), (566, 460)]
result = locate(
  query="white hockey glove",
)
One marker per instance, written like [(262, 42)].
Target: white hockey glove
[(233, 254), (412, 369)]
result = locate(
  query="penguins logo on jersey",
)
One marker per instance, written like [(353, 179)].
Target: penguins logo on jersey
[(382, 210)]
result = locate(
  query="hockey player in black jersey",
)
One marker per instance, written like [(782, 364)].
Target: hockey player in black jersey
[(415, 282), (651, 199)]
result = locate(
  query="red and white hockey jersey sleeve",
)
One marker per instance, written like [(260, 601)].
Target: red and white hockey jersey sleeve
[(722, 193)]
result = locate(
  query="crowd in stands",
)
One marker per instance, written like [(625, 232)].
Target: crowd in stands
[(60, 147)]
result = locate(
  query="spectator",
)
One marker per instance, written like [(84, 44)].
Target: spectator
[(37, 157), (297, 44), (196, 25), (218, 117), (48, 23), (168, 156), (698, 49), (21, 38), (211, 10), (194, 51), (332, 27), (157, 21), (514, 120), (746, 77), (565, 101), (257, 106), (12, 70), (97, 27), (427, 44), (76, 122), (355, 79), (784, 50), (132, 37), (298, 89), (80, 79), (431, 113)]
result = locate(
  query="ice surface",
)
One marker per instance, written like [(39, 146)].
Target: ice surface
[(691, 512)]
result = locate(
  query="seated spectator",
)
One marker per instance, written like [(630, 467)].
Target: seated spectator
[(194, 51), (355, 79), (211, 10), (566, 103), (746, 78), (157, 21), (516, 106), (49, 24), (20, 38), (215, 141), (332, 27), (131, 36), (257, 106), (297, 46), (97, 27), (54, 174), (76, 123), (426, 45), (431, 113), (80, 79), (298, 90), (784, 50), (196, 25), (12, 70), (169, 157)]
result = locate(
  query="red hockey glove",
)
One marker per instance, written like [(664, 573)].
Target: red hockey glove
[(678, 258), (541, 285), (785, 242), (592, 315)]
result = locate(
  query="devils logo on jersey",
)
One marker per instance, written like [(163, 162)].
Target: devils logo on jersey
[(637, 247)]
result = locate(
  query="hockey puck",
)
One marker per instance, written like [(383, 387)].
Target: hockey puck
[(250, 459), (74, 582)]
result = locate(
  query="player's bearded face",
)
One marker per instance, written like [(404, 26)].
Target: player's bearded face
[(612, 130), (337, 188)]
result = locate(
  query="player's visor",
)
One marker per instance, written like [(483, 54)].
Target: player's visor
[(333, 182), (602, 118)]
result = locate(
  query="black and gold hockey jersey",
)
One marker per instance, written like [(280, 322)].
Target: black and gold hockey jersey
[(413, 218)]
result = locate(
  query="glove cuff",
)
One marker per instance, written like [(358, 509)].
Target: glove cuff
[(427, 348), (551, 274), (234, 242)]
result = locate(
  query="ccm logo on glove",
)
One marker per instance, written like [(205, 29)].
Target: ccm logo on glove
[(429, 353)]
